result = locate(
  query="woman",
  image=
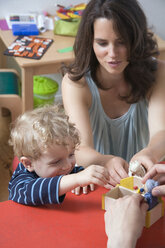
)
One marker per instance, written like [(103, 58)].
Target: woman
[(114, 90)]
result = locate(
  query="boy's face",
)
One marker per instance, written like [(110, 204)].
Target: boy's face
[(56, 160)]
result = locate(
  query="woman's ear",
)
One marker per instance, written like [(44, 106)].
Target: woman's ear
[(27, 163)]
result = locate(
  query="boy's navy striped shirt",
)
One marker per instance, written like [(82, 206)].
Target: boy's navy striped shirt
[(29, 189)]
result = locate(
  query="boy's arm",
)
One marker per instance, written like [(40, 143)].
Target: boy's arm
[(27, 190)]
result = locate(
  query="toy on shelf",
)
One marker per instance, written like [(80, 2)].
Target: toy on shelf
[(44, 90), (70, 11), (133, 185), (68, 19)]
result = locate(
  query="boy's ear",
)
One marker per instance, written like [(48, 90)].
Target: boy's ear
[(27, 163)]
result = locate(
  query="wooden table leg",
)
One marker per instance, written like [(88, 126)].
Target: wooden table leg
[(27, 89), (3, 58)]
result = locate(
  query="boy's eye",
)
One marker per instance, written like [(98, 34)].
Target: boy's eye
[(71, 155), (58, 161), (55, 163)]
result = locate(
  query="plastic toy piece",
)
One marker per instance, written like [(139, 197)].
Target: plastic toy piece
[(126, 187)]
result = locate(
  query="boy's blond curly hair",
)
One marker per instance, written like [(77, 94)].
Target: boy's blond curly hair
[(40, 128)]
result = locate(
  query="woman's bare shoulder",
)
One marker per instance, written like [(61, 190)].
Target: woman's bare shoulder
[(160, 75), (161, 68), (79, 83), (159, 87), (76, 89)]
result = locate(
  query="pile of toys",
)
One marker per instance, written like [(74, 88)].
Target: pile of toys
[(68, 19), (70, 11)]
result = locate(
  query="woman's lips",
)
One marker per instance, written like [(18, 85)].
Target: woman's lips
[(114, 63)]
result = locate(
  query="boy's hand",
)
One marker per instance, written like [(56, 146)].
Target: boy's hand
[(93, 174)]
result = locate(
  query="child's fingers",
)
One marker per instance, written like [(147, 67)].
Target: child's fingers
[(92, 187), (77, 191), (85, 190)]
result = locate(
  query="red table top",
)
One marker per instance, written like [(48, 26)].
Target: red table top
[(77, 223)]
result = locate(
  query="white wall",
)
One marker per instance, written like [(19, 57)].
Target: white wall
[(23, 6), (155, 12)]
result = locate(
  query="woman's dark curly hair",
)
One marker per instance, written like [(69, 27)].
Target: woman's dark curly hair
[(130, 22)]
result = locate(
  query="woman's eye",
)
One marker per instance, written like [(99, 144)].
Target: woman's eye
[(120, 42), (102, 44)]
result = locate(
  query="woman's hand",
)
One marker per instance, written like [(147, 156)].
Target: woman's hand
[(145, 158), (118, 169)]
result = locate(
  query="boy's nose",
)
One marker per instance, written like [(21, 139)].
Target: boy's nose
[(67, 164)]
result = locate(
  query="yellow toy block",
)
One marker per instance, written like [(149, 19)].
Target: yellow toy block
[(131, 182), (126, 187)]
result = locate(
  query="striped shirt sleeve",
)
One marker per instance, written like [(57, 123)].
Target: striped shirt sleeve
[(28, 189)]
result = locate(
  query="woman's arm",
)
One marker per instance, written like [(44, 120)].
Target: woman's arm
[(77, 101), (155, 149)]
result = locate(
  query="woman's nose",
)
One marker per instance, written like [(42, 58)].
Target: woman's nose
[(112, 51)]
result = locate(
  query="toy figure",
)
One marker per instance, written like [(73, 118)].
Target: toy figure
[(135, 168), (150, 199)]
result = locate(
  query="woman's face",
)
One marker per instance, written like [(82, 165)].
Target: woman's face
[(109, 48)]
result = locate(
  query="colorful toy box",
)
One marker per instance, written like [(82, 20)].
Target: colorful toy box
[(129, 186)]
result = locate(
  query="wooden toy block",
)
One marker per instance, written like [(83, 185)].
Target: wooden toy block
[(131, 182), (126, 187)]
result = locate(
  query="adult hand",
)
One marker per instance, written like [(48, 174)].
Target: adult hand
[(118, 169), (157, 170), (125, 220), (144, 157)]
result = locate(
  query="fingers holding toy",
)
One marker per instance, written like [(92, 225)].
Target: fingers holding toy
[(157, 170)]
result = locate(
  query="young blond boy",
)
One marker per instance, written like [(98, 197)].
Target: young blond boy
[(44, 141)]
